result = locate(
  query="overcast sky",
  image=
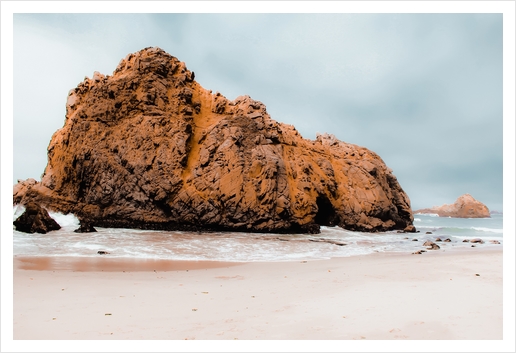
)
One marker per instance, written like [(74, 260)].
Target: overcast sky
[(424, 91)]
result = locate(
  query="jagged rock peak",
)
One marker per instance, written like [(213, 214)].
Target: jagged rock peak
[(153, 59), (148, 147)]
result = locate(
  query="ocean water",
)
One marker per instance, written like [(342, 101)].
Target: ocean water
[(250, 247)]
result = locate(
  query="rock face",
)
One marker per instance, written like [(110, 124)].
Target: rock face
[(35, 219), (148, 147), (464, 207)]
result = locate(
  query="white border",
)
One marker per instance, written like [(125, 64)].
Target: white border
[(8, 8), (256, 6)]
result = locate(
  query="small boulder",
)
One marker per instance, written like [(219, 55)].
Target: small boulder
[(410, 228), (102, 252), (428, 233), (85, 227), (434, 247), (477, 240), (465, 241), (419, 252), (447, 240), (35, 219), (428, 243), (438, 239), (494, 241)]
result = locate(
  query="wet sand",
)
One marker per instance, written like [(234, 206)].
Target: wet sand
[(434, 296), (105, 263)]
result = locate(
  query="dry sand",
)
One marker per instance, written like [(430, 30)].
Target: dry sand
[(433, 296)]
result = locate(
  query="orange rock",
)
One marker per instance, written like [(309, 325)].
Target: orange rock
[(148, 147), (464, 207)]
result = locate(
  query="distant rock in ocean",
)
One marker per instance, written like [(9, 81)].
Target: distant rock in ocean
[(149, 148), (464, 207)]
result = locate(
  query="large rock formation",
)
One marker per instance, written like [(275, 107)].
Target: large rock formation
[(464, 207), (148, 147)]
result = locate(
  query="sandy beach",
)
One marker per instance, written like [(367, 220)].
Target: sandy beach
[(433, 296)]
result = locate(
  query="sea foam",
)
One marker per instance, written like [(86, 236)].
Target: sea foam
[(248, 247)]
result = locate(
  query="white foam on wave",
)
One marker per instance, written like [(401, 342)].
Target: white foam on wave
[(65, 220), (427, 214), (87, 246), (463, 229), (429, 227), (61, 219), (491, 230), (239, 247), (17, 211)]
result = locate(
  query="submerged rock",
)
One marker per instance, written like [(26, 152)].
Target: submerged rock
[(86, 226), (148, 147), (35, 219), (464, 207), (329, 241)]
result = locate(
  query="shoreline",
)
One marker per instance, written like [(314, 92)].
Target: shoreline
[(454, 295), (105, 263)]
